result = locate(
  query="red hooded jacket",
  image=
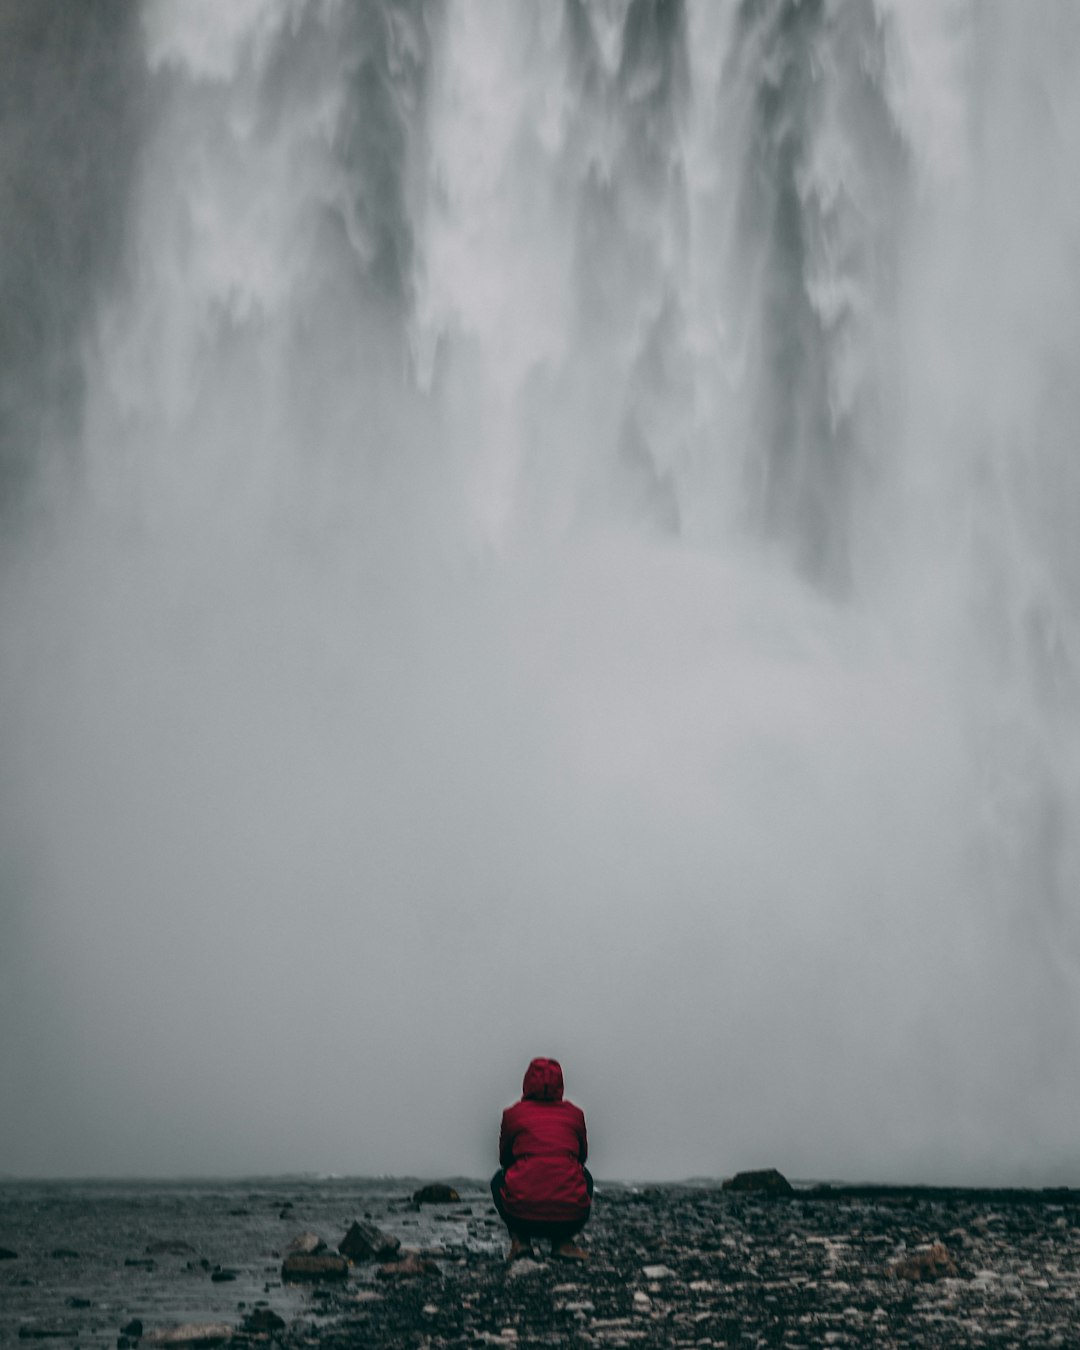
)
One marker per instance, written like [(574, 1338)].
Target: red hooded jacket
[(543, 1147)]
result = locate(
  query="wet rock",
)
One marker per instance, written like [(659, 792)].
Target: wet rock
[(933, 1263), (435, 1194), (301, 1266), (410, 1266), (6, 1254), (365, 1242), (306, 1244), (192, 1333), (169, 1247), (766, 1181), (134, 1328), (262, 1320)]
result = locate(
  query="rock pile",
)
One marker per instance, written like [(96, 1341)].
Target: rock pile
[(702, 1267), (694, 1266)]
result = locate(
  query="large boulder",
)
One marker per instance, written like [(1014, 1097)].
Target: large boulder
[(303, 1266), (6, 1254), (767, 1181), (365, 1242), (435, 1194), (306, 1244)]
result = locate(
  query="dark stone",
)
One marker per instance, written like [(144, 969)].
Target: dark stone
[(223, 1276), (435, 1195), (169, 1247), (314, 1266), (133, 1328), (74, 1302), (768, 1181), (122, 1343), (64, 1254), (140, 1262), (261, 1320), (6, 1254), (365, 1242)]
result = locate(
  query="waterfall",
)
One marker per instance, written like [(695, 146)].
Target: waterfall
[(558, 521)]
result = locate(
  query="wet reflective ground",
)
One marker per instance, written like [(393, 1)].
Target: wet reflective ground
[(90, 1257)]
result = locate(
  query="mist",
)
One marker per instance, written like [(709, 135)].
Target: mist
[(561, 540)]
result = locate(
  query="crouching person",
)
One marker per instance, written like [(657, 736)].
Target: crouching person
[(543, 1188)]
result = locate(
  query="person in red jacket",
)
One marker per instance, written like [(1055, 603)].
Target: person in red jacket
[(543, 1188)]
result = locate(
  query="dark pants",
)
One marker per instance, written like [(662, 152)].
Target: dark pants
[(547, 1229)]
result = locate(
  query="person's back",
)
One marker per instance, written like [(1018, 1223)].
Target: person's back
[(543, 1188)]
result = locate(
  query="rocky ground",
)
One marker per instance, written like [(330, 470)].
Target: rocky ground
[(678, 1266), (669, 1266)]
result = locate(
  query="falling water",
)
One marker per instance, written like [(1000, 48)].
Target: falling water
[(541, 528)]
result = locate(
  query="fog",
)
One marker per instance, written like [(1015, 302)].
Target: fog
[(540, 530)]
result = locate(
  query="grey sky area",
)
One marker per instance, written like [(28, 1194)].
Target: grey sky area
[(539, 529)]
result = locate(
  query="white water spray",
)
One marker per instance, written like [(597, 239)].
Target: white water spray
[(574, 554)]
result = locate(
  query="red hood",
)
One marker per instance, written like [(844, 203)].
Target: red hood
[(543, 1081)]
